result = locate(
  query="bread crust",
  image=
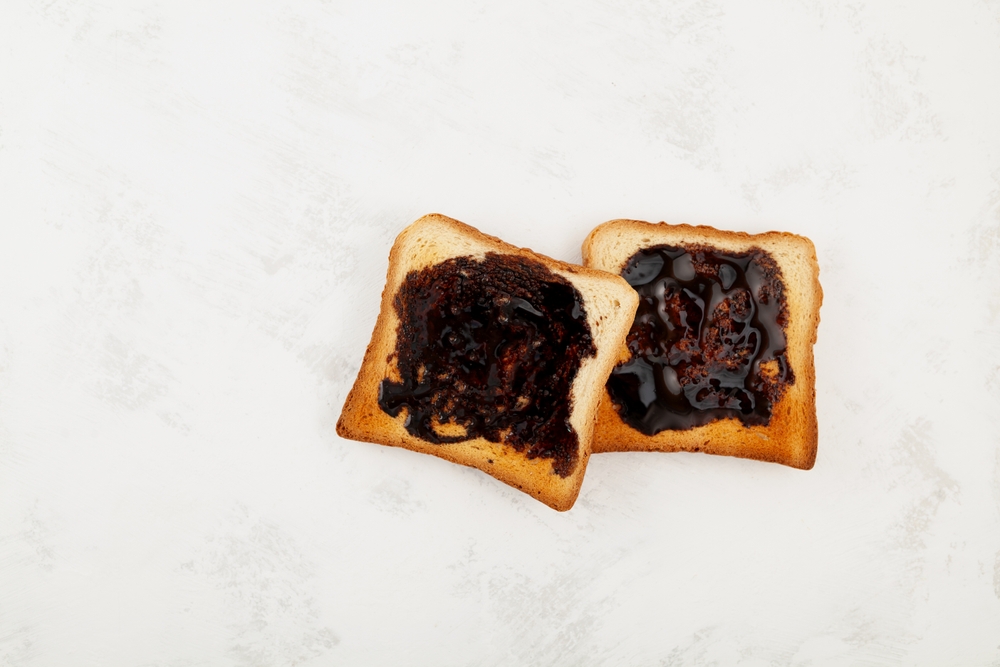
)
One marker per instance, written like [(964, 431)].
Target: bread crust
[(791, 435), (610, 304)]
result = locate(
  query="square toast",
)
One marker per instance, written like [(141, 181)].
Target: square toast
[(703, 369), (490, 356)]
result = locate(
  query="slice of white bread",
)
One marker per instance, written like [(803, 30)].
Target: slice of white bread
[(609, 303), (790, 436)]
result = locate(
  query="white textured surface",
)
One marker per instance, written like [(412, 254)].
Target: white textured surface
[(196, 206)]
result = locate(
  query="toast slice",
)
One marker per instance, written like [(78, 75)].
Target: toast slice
[(490, 356), (720, 356)]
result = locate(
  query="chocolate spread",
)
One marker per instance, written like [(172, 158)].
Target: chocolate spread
[(708, 340), (489, 348)]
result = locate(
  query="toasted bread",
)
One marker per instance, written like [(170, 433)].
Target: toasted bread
[(435, 244), (789, 435)]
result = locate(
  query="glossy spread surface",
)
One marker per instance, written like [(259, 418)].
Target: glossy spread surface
[(489, 348), (708, 341)]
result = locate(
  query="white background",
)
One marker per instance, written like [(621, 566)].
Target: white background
[(196, 206)]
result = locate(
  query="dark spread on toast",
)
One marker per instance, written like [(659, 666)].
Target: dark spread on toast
[(489, 348), (708, 340)]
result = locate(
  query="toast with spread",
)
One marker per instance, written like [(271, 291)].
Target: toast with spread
[(719, 358), (490, 356)]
